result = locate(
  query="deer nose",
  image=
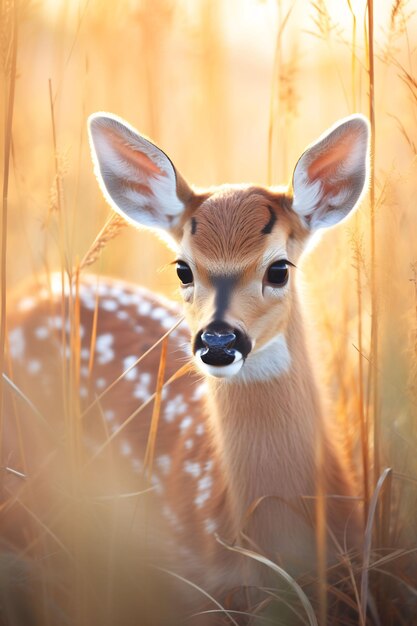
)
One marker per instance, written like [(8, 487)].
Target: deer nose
[(214, 340)]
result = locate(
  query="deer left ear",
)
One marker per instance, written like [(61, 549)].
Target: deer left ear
[(136, 177), (330, 176)]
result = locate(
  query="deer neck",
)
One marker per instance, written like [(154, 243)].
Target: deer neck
[(264, 430)]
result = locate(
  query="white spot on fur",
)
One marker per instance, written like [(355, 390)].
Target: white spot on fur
[(172, 518), (164, 464), (34, 366), (200, 392), (109, 305), (144, 308), (102, 289), (100, 383), (85, 354), (158, 313), (128, 362), (210, 526), (125, 298), (104, 348), (83, 392), (186, 423), (188, 444), (145, 379), (17, 343), (122, 315), (41, 332), (200, 430), (174, 408), (141, 390), (192, 468), (157, 485), (125, 448), (109, 414), (204, 490), (167, 322), (88, 301)]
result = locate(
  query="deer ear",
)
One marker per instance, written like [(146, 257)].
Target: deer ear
[(330, 176), (136, 177)]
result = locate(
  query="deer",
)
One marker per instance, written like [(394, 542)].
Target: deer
[(237, 443)]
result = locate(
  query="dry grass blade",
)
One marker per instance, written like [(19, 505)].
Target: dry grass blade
[(405, 477), (260, 620), (45, 528), (374, 300), (410, 588), (275, 88), (27, 400), (110, 230), (93, 334), (202, 591), (150, 447), (368, 540), (281, 572), (10, 470), (123, 496), (276, 596), (10, 73)]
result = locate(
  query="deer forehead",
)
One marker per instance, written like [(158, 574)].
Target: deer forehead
[(238, 228)]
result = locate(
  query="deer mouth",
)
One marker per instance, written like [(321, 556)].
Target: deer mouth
[(219, 365)]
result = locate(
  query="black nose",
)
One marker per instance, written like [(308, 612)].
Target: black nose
[(214, 340), (219, 344)]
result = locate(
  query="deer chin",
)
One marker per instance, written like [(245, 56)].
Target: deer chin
[(220, 371)]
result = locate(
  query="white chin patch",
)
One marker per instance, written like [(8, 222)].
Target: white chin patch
[(219, 371)]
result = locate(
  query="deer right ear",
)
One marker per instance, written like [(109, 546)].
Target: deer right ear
[(331, 175), (136, 177)]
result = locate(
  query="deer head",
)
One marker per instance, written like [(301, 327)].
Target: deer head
[(236, 246)]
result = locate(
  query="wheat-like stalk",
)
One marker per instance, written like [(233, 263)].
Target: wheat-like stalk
[(110, 230)]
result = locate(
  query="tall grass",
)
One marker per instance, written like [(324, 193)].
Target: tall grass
[(230, 90), (9, 33)]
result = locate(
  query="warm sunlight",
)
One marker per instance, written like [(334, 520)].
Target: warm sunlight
[(208, 312)]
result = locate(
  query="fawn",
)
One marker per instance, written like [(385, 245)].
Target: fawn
[(236, 448)]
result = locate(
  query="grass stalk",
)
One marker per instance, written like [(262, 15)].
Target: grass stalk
[(62, 255), (150, 447), (274, 100), (366, 561), (321, 529), (374, 302), (353, 57), (8, 123)]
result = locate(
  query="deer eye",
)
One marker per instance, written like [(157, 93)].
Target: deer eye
[(277, 273), (184, 273)]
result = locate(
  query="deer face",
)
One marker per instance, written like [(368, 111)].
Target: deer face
[(237, 246), (236, 259)]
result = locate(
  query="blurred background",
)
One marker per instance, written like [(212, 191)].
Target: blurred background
[(233, 91)]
